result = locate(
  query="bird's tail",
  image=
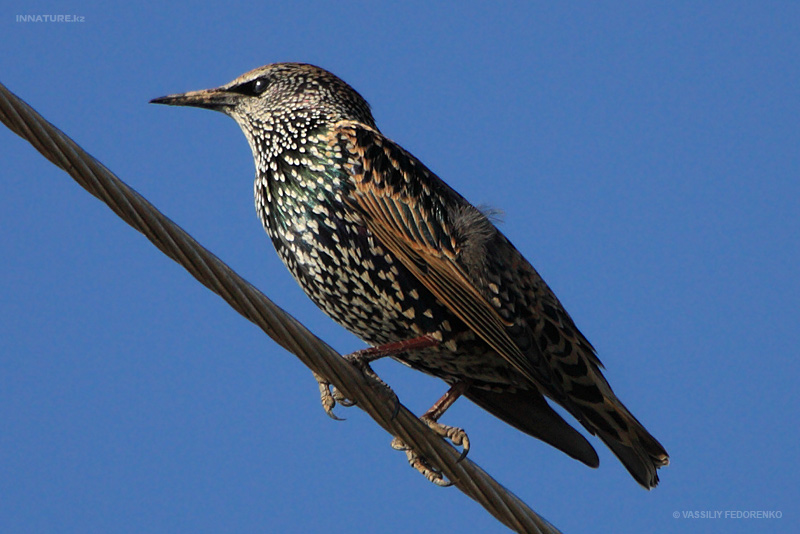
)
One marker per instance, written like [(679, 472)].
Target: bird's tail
[(636, 448), (591, 400)]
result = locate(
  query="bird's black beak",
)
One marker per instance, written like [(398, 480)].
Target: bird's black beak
[(216, 99)]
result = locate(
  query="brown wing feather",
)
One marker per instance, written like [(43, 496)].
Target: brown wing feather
[(385, 209)]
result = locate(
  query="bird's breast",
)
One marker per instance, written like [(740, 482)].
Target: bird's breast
[(357, 281)]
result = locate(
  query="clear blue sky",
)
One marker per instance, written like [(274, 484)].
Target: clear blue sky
[(647, 162)]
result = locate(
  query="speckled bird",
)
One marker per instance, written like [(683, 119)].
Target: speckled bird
[(394, 254)]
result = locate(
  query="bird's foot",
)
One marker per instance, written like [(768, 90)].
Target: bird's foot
[(416, 461), (457, 436), (330, 396)]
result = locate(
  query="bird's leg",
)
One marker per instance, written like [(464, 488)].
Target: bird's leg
[(330, 396), (457, 436), (447, 400), (391, 349)]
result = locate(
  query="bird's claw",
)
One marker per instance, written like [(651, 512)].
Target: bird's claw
[(330, 397), (457, 437), (340, 399), (327, 399), (420, 464)]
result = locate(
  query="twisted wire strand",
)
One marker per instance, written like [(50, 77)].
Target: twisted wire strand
[(284, 329)]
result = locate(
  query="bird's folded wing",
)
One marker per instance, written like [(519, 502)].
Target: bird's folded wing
[(416, 231)]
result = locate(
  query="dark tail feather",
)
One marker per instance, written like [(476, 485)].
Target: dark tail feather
[(639, 452), (529, 412)]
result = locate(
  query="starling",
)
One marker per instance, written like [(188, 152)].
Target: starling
[(396, 256)]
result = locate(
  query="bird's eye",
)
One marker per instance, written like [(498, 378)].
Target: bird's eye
[(259, 86), (252, 88)]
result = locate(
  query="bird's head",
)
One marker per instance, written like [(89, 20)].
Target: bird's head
[(279, 104), (279, 91)]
